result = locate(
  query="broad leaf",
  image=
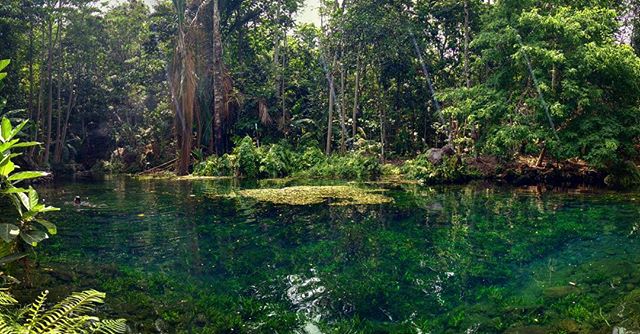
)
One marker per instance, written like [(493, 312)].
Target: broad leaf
[(33, 198), (27, 144), (14, 190), (11, 258), (17, 130), (5, 129), (33, 237), (51, 227), (26, 176), (24, 199), (4, 63), (7, 168), (8, 232), (8, 145)]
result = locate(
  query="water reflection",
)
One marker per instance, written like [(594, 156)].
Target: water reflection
[(440, 260)]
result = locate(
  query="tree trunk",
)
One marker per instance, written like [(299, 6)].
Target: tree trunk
[(467, 72), (330, 120), (57, 155), (356, 92), (343, 126), (218, 77), (47, 145)]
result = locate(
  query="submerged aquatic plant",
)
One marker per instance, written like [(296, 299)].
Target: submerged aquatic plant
[(308, 195)]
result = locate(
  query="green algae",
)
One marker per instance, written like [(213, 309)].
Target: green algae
[(309, 195)]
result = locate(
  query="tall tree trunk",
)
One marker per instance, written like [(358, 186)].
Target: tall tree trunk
[(330, 118), (467, 72), (38, 123), (58, 146), (218, 83), (341, 109), (47, 145), (356, 92), (283, 87), (57, 154)]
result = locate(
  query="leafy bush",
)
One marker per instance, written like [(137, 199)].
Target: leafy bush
[(68, 316), (25, 222), (311, 156), (248, 158), (352, 166), (216, 166), (276, 161), (451, 170)]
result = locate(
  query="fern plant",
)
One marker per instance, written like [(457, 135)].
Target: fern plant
[(69, 316)]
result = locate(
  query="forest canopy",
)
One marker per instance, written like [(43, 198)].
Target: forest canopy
[(128, 88)]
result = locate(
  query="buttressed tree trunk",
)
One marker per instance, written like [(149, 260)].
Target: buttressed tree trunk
[(183, 91), (219, 104)]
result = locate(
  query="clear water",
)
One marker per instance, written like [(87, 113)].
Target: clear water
[(474, 259)]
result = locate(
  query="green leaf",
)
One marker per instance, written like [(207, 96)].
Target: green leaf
[(11, 258), (4, 63), (14, 190), (24, 199), (8, 145), (8, 232), (26, 176), (27, 144), (33, 198), (51, 227), (5, 129), (7, 168), (33, 237), (3, 75), (17, 129)]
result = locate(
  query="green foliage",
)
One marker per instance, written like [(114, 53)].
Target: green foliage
[(352, 166), (276, 160), (216, 166), (450, 170), (68, 316), (25, 222), (248, 158)]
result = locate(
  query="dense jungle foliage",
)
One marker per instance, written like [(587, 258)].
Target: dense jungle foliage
[(121, 86)]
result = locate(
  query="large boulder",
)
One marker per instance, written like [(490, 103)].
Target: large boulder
[(436, 155)]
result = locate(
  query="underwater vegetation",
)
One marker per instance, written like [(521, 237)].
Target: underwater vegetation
[(308, 195), (477, 259)]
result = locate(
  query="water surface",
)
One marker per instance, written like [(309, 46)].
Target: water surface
[(474, 259)]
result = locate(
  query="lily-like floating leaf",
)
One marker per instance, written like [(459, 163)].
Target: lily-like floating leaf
[(8, 232), (33, 237)]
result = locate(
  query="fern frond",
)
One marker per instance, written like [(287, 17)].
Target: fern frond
[(77, 304), (109, 327), (34, 310), (6, 299), (7, 326)]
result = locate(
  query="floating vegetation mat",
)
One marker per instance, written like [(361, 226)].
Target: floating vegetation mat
[(307, 195)]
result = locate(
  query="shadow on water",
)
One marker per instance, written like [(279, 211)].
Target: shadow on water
[(474, 259)]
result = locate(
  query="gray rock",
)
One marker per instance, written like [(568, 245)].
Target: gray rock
[(436, 155)]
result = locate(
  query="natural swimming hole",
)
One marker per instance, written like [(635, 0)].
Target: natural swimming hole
[(196, 256)]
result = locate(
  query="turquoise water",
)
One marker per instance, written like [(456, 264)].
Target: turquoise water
[(174, 256)]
